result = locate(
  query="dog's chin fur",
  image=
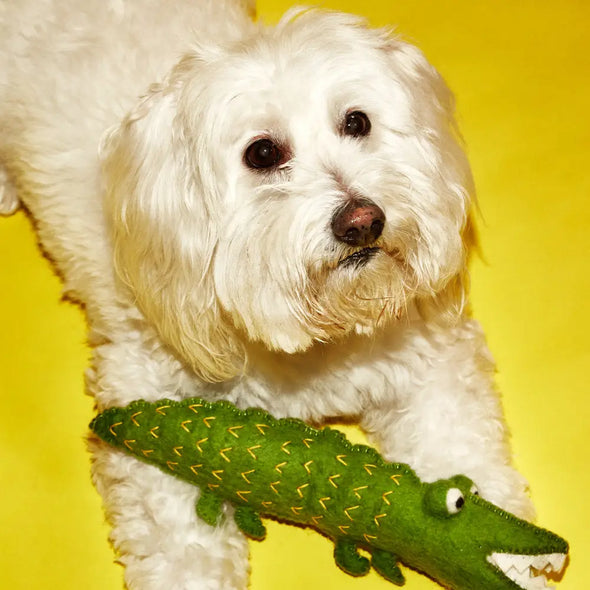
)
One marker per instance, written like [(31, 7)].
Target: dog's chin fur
[(201, 275), (216, 252)]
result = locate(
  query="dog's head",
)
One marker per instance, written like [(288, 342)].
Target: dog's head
[(290, 189)]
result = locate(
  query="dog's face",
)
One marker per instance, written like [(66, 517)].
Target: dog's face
[(294, 189)]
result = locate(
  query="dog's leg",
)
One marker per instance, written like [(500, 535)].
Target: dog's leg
[(445, 416), (155, 528), (157, 533)]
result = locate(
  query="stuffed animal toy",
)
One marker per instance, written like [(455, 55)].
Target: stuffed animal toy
[(287, 470)]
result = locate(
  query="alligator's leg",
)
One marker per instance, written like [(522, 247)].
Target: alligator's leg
[(385, 564), (249, 522), (209, 507), (348, 559)]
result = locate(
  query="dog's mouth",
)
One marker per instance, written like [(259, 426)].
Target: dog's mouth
[(359, 258)]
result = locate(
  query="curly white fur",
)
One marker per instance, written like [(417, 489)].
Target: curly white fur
[(229, 281)]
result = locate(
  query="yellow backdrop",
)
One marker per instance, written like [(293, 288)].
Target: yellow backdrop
[(521, 74)]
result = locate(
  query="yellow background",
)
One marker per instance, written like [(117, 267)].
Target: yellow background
[(521, 71)]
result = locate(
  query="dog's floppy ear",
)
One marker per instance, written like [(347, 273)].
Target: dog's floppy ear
[(164, 233), (433, 108), (431, 97), (451, 303)]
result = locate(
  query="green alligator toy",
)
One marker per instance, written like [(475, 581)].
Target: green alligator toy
[(287, 470)]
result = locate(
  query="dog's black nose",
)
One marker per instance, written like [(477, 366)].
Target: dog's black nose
[(359, 223)]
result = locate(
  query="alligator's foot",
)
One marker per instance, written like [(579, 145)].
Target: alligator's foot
[(385, 564), (209, 507), (249, 522), (348, 559)]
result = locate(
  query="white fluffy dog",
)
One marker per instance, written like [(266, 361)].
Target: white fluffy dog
[(275, 216)]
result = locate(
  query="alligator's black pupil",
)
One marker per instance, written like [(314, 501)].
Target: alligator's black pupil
[(357, 124), (459, 503), (262, 154)]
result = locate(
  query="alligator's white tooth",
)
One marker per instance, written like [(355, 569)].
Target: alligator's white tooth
[(523, 569), (522, 563), (537, 583), (521, 579), (506, 561), (557, 561), (539, 562), (541, 582), (502, 560)]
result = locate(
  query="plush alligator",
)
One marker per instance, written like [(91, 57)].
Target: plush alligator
[(287, 470)]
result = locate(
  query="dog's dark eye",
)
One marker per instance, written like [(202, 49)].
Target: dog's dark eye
[(263, 153), (356, 124)]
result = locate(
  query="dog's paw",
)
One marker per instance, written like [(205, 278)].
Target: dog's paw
[(509, 490), (522, 506), (9, 201)]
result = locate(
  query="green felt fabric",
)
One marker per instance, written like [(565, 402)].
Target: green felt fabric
[(288, 470)]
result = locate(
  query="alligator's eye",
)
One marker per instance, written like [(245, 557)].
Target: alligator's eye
[(474, 490), (444, 498), (455, 500), (262, 153), (356, 124)]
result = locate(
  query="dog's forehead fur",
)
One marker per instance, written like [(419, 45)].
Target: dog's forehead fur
[(303, 76)]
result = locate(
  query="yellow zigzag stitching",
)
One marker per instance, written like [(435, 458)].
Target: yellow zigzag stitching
[(242, 495), (252, 449), (279, 467), (332, 478), (245, 473), (356, 491), (368, 467), (113, 426), (223, 453), (261, 428), (301, 487), (378, 517), (232, 428), (347, 510)]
